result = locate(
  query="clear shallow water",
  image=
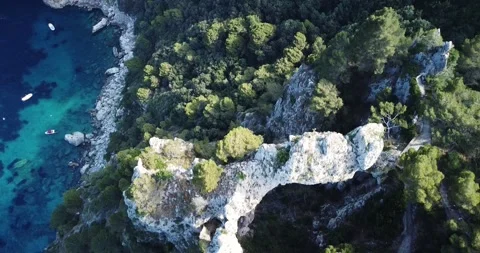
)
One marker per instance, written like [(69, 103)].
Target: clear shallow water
[(64, 71)]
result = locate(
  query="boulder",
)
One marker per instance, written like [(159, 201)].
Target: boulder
[(76, 138), (112, 71), (115, 52), (101, 24)]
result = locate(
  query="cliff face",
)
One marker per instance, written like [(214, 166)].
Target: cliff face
[(430, 62), (177, 211), (291, 114)]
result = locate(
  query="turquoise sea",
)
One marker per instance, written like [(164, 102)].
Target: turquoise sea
[(64, 70)]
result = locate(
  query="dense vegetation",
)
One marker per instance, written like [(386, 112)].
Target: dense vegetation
[(201, 66)]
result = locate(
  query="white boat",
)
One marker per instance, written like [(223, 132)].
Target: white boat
[(49, 132), (51, 26), (27, 97)]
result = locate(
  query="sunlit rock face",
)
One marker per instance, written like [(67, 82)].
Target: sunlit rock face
[(177, 211)]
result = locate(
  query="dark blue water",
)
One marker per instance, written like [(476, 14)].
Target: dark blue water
[(64, 71)]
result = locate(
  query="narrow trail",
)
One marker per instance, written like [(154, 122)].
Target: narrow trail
[(451, 212), (424, 138), (408, 233)]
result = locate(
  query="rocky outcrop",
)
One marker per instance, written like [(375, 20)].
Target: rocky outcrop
[(177, 211), (430, 62), (76, 138), (112, 71), (108, 104), (291, 114), (101, 24)]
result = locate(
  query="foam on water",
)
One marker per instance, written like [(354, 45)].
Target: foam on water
[(65, 75)]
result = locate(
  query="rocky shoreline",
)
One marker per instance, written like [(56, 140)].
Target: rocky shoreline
[(107, 110)]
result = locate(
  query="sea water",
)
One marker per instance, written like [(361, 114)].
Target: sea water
[(64, 69)]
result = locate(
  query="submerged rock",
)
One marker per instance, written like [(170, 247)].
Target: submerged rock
[(177, 211), (76, 138)]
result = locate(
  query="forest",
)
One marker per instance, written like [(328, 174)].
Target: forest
[(201, 66)]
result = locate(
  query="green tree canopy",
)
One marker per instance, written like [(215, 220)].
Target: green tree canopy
[(318, 47), (143, 94), (469, 62), (246, 93), (326, 98), (72, 201), (421, 175), (390, 115), (455, 111), (377, 39), (237, 143), (259, 33), (466, 191)]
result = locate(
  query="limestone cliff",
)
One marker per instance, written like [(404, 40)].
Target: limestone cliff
[(291, 114), (178, 212)]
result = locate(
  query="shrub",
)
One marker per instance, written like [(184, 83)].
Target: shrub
[(72, 201), (204, 149), (237, 143), (152, 160), (60, 216), (77, 242), (117, 222), (143, 94), (108, 198), (134, 65), (123, 184), (104, 242), (206, 175), (283, 154)]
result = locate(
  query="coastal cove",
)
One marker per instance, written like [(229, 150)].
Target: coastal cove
[(64, 69)]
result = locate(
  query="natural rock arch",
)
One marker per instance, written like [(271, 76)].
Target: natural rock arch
[(180, 210)]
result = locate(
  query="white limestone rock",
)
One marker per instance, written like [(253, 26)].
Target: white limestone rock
[(112, 71), (76, 138), (115, 52), (100, 25), (292, 114), (179, 210)]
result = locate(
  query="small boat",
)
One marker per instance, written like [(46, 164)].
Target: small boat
[(49, 132), (27, 97), (51, 26)]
